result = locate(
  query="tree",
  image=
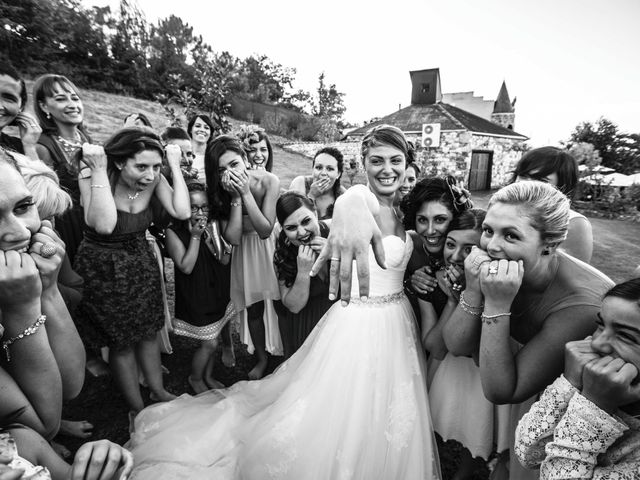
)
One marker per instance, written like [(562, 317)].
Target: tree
[(585, 154), (261, 80), (129, 47), (619, 151), (329, 101)]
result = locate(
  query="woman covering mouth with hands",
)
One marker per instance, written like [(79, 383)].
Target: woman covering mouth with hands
[(523, 295), (305, 298), (585, 424), (323, 186)]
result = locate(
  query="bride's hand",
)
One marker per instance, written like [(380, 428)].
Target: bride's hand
[(353, 229)]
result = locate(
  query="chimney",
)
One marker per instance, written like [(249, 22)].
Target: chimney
[(425, 87)]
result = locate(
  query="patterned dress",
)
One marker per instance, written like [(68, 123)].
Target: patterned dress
[(568, 436), (122, 301)]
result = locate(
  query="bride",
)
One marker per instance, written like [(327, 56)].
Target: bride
[(351, 403)]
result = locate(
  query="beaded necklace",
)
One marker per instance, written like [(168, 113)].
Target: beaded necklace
[(70, 147)]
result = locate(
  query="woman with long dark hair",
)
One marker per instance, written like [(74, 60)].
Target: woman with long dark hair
[(244, 201), (305, 298)]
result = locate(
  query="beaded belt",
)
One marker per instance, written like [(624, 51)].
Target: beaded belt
[(380, 300)]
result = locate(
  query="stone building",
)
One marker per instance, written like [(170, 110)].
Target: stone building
[(479, 152), (477, 143)]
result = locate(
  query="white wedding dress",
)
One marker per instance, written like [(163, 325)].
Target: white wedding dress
[(351, 403)]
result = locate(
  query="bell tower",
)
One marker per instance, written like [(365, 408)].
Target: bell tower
[(504, 112)]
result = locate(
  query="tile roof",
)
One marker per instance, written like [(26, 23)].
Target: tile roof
[(411, 118)]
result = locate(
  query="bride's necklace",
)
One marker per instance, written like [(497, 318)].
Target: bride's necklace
[(134, 196)]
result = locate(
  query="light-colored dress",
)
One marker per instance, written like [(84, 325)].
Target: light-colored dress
[(454, 392), (351, 403), (253, 279)]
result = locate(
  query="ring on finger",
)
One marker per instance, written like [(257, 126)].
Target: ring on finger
[(456, 287), (335, 259), (493, 270), (48, 250)]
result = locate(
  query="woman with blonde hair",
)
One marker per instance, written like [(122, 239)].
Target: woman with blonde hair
[(524, 298)]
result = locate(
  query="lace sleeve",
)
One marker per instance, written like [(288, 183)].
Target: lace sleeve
[(536, 427), (584, 432)]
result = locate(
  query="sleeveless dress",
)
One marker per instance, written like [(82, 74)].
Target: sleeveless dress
[(351, 403), (202, 297), (253, 280), (70, 225), (575, 284), (122, 302), (456, 390), (299, 325)]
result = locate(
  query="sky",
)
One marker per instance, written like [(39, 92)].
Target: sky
[(566, 61)]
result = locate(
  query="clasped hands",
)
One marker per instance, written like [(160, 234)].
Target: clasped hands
[(605, 380), (498, 281), (25, 276)]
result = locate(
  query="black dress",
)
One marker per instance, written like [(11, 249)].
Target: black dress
[(202, 296), (122, 301), (70, 225)]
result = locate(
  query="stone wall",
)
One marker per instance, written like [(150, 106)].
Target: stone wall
[(350, 149), (453, 156)]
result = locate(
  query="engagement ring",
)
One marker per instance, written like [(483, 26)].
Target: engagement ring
[(493, 270)]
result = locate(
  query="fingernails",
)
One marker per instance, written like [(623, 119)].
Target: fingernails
[(364, 298), (332, 296), (344, 303)]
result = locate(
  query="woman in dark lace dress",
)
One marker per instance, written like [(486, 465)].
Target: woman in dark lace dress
[(122, 305)]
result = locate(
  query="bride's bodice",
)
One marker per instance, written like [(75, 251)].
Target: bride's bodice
[(389, 281)]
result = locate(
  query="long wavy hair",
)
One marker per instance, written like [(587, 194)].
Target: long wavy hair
[(285, 256), (219, 198)]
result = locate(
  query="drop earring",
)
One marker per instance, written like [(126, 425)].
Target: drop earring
[(48, 115)]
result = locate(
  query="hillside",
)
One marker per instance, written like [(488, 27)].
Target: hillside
[(105, 113)]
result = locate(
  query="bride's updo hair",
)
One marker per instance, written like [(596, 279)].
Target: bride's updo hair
[(386, 135)]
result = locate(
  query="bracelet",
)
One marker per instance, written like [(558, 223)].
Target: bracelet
[(471, 310), (408, 288), (27, 331), (236, 204), (490, 319), (195, 237), (97, 185)]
